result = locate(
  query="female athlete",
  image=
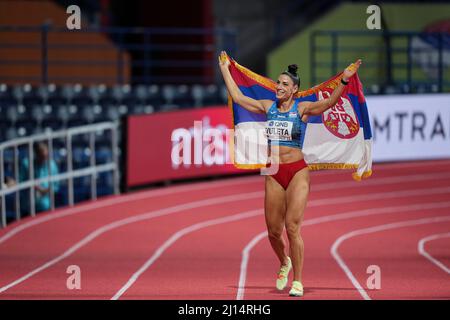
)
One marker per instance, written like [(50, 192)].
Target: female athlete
[(286, 192)]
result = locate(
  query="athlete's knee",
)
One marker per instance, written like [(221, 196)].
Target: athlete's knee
[(293, 229), (275, 233)]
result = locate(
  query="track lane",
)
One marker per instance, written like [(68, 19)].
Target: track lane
[(340, 192)]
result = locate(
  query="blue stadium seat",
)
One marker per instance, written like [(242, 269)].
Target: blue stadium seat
[(31, 96), (82, 188), (53, 95), (118, 92), (26, 127), (168, 93), (142, 109), (103, 155), (53, 124), (11, 133), (97, 93), (112, 113), (16, 112), (211, 95), (80, 157), (4, 125), (183, 97), (20, 91), (141, 92), (154, 97), (105, 183), (68, 112), (75, 122), (6, 95), (224, 94), (42, 112), (76, 94), (197, 93), (61, 197)]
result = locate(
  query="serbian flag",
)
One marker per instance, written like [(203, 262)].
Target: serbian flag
[(339, 138)]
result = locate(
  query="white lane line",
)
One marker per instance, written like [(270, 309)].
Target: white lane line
[(244, 264), (329, 218), (374, 181), (83, 208), (140, 196), (423, 252), (177, 235), (60, 213), (374, 229), (123, 222), (152, 214)]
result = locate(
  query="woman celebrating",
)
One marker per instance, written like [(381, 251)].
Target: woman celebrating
[(286, 192)]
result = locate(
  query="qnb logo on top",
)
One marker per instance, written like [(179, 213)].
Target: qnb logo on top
[(279, 130), (340, 120), (201, 144)]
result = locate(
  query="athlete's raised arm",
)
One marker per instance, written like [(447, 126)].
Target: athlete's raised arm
[(318, 107), (257, 106)]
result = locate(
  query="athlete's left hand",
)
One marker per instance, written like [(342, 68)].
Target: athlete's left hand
[(351, 70)]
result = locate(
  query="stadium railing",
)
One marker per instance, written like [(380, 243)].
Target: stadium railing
[(91, 169), (397, 62)]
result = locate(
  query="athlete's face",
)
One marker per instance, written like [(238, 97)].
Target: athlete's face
[(285, 87)]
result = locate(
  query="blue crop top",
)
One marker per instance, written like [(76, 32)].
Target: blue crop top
[(285, 128)]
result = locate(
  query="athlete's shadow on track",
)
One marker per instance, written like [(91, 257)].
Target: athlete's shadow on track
[(306, 289)]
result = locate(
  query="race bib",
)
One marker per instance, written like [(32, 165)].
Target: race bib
[(279, 130)]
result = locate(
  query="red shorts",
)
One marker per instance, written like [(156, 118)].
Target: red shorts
[(288, 170)]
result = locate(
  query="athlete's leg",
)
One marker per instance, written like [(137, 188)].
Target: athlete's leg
[(275, 212), (296, 196)]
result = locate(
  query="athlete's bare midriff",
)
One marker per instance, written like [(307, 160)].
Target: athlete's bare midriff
[(286, 154)]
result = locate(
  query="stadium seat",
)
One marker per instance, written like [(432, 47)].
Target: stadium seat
[(26, 127), (31, 96), (4, 125), (98, 93), (183, 97), (82, 188), (168, 93), (92, 113), (105, 183), (75, 122), (211, 95), (53, 95), (154, 96), (42, 112), (53, 124), (103, 155), (16, 112), (11, 133), (21, 90), (6, 96), (80, 156), (224, 94)]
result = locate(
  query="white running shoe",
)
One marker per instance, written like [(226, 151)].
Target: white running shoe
[(296, 290), (283, 274)]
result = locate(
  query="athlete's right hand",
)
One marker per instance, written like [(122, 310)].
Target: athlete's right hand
[(224, 62)]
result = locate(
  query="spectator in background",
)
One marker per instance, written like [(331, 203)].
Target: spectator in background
[(9, 182), (42, 169)]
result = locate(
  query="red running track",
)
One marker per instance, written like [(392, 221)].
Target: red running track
[(207, 241)]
